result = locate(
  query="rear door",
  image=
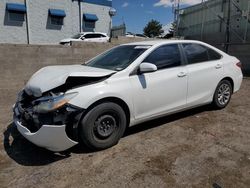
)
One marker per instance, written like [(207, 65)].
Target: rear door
[(103, 38), (205, 70)]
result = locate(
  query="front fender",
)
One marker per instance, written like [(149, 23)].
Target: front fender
[(87, 95)]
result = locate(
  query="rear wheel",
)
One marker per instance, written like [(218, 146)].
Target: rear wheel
[(222, 94), (103, 126)]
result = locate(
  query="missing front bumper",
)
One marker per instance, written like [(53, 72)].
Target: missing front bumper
[(51, 137), (56, 130)]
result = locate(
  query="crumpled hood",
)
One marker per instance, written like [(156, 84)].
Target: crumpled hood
[(51, 77)]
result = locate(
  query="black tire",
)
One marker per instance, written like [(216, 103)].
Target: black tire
[(103, 126), (222, 94)]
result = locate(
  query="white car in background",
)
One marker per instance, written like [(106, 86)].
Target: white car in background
[(94, 103), (87, 37), (129, 34), (132, 35), (141, 36)]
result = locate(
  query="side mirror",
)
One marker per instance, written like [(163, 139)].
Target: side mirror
[(82, 38), (147, 67)]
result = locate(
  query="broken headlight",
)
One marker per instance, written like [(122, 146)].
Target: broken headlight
[(51, 103)]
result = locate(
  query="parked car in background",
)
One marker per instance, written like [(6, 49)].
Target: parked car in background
[(94, 103), (141, 36), (129, 34), (87, 37)]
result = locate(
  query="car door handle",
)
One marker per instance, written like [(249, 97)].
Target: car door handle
[(182, 74), (218, 66)]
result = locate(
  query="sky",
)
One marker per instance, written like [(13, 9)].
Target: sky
[(137, 13)]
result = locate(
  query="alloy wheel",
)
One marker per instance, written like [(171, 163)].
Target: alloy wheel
[(224, 94)]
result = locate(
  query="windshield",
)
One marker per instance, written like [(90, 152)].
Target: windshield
[(118, 58), (77, 36)]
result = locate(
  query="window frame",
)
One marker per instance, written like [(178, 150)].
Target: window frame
[(56, 17), (207, 48), (221, 56), (91, 34), (88, 23), (135, 71), (17, 15), (181, 56)]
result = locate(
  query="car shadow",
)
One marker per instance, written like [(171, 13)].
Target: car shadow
[(166, 119), (24, 152), (27, 154)]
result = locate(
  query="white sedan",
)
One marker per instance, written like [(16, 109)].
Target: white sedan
[(95, 102), (86, 37)]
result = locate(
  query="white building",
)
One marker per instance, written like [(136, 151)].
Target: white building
[(49, 21)]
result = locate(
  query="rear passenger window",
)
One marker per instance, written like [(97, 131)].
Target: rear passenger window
[(98, 35), (213, 55), (165, 56), (89, 36), (196, 53)]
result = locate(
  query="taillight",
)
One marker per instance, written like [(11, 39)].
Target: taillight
[(239, 64)]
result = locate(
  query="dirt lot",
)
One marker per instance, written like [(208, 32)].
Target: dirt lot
[(197, 148)]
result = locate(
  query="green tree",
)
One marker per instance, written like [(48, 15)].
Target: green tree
[(171, 31), (153, 29)]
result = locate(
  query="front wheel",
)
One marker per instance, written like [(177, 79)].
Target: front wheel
[(103, 126), (222, 94)]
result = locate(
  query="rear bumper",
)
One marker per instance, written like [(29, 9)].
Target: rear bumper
[(238, 82), (51, 137)]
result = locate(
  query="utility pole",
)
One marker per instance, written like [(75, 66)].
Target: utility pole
[(178, 17), (228, 26), (80, 15), (203, 19), (27, 22), (176, 8)]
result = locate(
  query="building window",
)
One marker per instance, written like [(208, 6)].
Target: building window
[(56, 16), (16, 16), (16, 12), (89, 20), (54, 20), (89, 25)]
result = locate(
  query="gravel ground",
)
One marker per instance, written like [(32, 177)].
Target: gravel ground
[(197, 148)]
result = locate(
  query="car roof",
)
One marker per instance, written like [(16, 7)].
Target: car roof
[(84, 33), (160, 42), (167, 41)]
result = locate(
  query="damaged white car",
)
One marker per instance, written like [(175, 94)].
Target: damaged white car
[(95, 102)]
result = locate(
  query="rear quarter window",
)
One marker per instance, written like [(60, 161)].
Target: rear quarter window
[(213, 55)]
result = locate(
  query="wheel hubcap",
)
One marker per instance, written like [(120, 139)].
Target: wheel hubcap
[(224, 94), (105, 126)]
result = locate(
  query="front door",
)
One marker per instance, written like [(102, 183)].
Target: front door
[(164, 90)]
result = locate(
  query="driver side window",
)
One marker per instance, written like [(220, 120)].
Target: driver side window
[(166, 56)]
